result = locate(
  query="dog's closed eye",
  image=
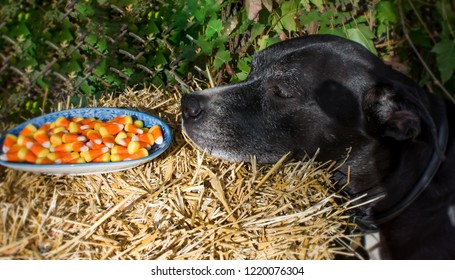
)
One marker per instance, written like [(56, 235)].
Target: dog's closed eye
[(276, 91)]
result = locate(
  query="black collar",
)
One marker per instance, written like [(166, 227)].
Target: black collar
[(370, 222)]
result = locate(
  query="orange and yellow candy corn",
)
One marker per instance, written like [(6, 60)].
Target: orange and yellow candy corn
[(10, 140), (81, 140)]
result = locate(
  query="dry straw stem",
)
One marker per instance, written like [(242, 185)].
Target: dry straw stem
[(182, 205)]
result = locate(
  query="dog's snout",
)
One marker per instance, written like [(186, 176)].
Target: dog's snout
[(191, 107)]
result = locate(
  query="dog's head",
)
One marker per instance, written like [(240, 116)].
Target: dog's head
[(302, 94)]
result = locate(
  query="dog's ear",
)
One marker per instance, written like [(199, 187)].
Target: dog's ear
[(396, 111)]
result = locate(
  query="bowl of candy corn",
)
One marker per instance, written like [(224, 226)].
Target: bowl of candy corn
[(84, 141)]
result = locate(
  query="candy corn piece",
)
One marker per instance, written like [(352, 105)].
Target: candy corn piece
[(74, 127), (142, 152), (91, 125), (122, 120), (23, 154), (56, 139), (58, 129), (27, 155), (157, 134), (61, 122), (103, 158), (110, 129), (119, 137), (127, 140), (26, 141), (10, 140), (43, 160), (77, 119), (15, 148), (73, 137), (92, 145), (39, 150), (70, 147), (86, 120), (90, 155), (55, 155), (147, 138), (66, 157), (79, 146), (94, 136), (120, 150), (132, 128), (145, 145), (45, 126), (41, 137), (28, 130), (77, 160), (108, 140), (133, 146), (138, 123), (13, 155)]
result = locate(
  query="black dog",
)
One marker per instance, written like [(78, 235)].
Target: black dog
[(330, 93)]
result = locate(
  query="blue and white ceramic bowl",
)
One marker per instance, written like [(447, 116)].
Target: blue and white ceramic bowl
[(103, 114)]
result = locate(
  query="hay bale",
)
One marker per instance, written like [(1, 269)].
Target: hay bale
[(182, 205)]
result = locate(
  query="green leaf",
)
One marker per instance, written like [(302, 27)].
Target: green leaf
[(222, 57), (73, 66), (363, 36), (41, 83), (332, 31), (63, 35), (203, 8), (311, 16), (91, 39), (266, 41), (288, 12), (206, 46), (386, 12), (86, 88), (215, 26), (32, 106), (20, 30), (100, 70), (445, 8), (128, 71), (159, 59), (85, 9), (318, 3), (381, 29), (151, 28), (101, 45), (28, 61), (244, 64), (113, 80), (445, 58), (257, 30), (241, 76)]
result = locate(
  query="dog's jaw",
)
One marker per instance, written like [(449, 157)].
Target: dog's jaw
[(228, 151)]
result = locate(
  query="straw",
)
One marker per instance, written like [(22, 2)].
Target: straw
[(184, 204)]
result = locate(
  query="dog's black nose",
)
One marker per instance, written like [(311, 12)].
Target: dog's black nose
[(191, 107)]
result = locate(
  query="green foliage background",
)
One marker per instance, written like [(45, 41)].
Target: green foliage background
[(54, 51)]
